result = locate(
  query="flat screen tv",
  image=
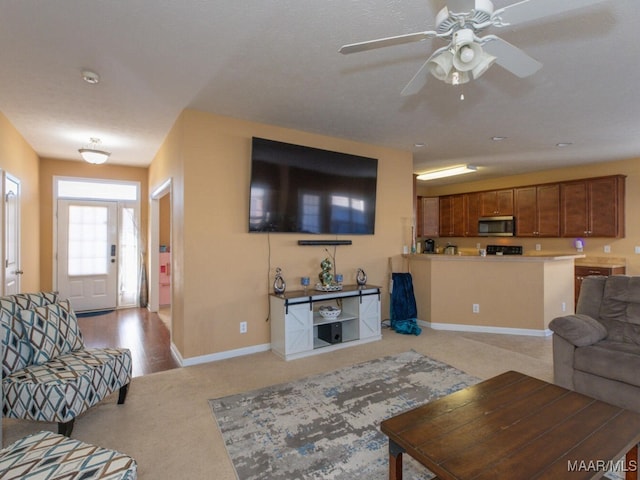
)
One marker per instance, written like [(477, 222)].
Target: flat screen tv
[(299, 189)]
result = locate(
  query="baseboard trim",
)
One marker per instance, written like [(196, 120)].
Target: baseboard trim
[(486, 329), (214, 357)]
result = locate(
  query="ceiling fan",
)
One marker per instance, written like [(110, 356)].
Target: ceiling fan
[(468, 56)]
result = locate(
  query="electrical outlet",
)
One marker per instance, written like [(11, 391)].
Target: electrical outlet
[(476, 308), (607, 249), (564, 306), (478, 246), (538, 247), (637, 250), (243, 327)]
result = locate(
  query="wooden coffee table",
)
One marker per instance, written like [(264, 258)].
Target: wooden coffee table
[(517, 427)]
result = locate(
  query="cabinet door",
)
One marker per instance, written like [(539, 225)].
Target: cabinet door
[(605, 219), (472, 203), (459, 215), (573, 207), (446, 216), (526, 211), (548, 210), (428, 216), (298, 330), (369, 314)]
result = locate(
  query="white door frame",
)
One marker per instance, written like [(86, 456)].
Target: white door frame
[(14, 275), (154, 243), (121, 203)]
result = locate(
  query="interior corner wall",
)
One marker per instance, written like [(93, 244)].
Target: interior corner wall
[(20, 160), (49, 168), (168, 165), (227, 273)]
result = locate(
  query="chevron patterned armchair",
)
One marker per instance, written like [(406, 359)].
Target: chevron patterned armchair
[(47, 373)]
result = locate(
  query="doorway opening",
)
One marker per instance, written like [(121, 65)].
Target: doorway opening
[(161, 255), (97, 239)]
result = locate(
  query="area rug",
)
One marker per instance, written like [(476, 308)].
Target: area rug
[(327, 426)]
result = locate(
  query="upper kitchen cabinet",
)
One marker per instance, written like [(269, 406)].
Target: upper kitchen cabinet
[(452, 216), (428, 216), (496, 203), (537, 211), (593, 207), (472, 210)]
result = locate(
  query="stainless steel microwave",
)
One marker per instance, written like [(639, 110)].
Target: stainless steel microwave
[(504, 226)]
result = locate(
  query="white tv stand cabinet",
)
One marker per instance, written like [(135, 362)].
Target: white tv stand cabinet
[(295, 320)]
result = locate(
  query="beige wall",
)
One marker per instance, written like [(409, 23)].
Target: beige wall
[(18, 159), (67, 168), (620, 247), (226, 272)]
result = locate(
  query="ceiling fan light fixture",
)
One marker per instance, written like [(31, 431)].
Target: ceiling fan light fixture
[(447, 172), (440, 66), (458, 78), (483, 65), (92, 154)]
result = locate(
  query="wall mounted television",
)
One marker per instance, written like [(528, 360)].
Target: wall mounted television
[(298, 189)]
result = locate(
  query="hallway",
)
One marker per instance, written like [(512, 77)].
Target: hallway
[(137, 329)]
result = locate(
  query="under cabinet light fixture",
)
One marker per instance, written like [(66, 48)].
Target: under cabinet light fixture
[(447, 172)]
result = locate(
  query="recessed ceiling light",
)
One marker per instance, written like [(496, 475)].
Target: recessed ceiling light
[(498, 139), (90, 77), (418, 145), (563, 144)]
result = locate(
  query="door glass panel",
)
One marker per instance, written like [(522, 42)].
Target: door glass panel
[(88, 240), (128, 257)]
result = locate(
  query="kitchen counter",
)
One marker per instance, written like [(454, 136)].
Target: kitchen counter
[(490, 258), (610, 262), (517, 294)]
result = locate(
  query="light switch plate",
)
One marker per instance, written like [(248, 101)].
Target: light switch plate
[(607, 249), (637, 250)]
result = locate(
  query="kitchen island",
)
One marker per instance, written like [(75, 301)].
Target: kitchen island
[(517, 294)]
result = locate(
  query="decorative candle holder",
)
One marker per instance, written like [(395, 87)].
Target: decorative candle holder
[(305, 281)]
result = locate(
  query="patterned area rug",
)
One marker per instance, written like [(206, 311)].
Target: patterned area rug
[(327, 426)]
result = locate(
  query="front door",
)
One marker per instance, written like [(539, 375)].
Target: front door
[(12, 235), (87, 253)]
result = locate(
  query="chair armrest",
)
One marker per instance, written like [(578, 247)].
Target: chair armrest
[(579, 330)]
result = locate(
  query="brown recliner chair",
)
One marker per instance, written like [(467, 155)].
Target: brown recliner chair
[(597, 350)]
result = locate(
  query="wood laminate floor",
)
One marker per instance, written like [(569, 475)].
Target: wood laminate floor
[(137, 329)]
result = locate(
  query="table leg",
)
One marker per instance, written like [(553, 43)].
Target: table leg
[(631, 463), (395, 461)]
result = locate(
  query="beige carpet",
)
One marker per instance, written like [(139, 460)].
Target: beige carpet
[(167, 425)]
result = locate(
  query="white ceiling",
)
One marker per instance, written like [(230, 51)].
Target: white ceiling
[(277, 62)]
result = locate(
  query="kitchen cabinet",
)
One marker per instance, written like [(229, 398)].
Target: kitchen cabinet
[(593, 207), (472, 211), (452, 216), (537, 210), (582, 271), (298, 330), (428, 216), (496, 202)]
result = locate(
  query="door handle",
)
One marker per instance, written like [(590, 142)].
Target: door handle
[(19, 272)]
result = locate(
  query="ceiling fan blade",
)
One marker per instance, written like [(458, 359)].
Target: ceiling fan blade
[(510, 57), (461, 6), (527, 10), (419, 80), (386, 42)]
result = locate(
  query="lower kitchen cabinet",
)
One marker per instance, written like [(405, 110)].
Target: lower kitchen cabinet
[(582, 271)]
